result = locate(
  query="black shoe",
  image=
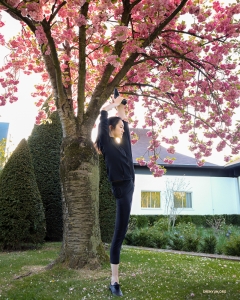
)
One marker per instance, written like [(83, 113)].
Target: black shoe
[(115, 289)]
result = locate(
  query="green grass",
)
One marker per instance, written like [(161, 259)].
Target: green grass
[(143, 275)]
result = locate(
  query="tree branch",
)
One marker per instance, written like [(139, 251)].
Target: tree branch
[(16, 14), (82, 65), (162, 25), (53, 15)]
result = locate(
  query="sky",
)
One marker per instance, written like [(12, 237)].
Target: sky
[(21, 114)]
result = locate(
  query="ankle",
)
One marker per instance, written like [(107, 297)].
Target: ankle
[(114, 279)]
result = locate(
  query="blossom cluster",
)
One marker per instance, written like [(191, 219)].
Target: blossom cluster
[(154, 167), (187, 73)]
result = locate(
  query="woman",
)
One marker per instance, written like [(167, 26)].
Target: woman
[(114, 143)]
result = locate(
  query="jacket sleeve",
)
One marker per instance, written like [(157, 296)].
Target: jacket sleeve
[(126, 137), (103, 127), (127, 144)]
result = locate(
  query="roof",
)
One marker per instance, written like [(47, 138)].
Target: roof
[(140, 149), (233, 164)]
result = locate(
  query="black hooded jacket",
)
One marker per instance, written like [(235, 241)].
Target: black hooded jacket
[(117, 156)]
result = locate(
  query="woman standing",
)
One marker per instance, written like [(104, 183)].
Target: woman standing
[(114, 143)]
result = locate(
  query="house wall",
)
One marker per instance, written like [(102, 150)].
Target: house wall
[(210, 195)]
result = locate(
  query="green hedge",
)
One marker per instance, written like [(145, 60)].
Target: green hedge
[(22, 220), (107, 204), (141, 221), (44, 144)]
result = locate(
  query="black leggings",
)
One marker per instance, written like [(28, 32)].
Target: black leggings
[(123, 192)]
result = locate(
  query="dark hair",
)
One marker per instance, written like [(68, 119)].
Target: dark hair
[(113, 121)]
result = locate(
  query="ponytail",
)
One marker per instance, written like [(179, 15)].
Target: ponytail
[(112, 121)]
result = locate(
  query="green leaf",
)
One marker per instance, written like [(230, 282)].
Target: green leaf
[(106, 49)]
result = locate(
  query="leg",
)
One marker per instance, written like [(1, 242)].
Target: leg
[(123, 194), (114, 269)]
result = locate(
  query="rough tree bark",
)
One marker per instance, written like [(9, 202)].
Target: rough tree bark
[(80, 178)]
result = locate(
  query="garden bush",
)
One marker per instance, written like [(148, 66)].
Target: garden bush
[(198, 220), (232, 246), (44, 144), (146, 237), (190, 243), (184, 236), (208, 244), (175, 241), (22, 220), (186, 228), (142, 221), (161, 224), (221, 241), (141, 237), (132, 225)]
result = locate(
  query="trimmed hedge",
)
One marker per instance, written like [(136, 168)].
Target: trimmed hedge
[(107, 204), (22, 220), (141, 221), (44, 144), (186, 236)]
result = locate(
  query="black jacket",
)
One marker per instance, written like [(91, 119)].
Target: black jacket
[(118, 157)]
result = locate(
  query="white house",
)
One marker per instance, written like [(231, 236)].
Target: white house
[(207, 190)]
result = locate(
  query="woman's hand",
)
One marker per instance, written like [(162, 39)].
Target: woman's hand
[(116, 103), (118, 100)]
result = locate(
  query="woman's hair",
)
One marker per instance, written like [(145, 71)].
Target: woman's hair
[(113, 121)]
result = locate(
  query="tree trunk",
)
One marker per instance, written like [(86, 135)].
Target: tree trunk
[(80, 186)]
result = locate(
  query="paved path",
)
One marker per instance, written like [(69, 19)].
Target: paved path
[(215, 256)]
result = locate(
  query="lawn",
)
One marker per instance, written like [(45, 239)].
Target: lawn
[(144, 275)]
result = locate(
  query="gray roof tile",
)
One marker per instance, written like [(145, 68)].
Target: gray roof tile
[(140, 149)]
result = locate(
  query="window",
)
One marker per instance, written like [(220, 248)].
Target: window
[(182, 199), (150, 200)]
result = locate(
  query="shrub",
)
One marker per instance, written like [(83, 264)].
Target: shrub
[(208, 244), (183, 219), (146, 237), (132, 225), (221, 241), (152, 219), (232, 247), (186, 228), (161, 224), (216, 221), (190, 243), (175, 241), (141, 237), (22, 219), (44, 144), (142, 221)]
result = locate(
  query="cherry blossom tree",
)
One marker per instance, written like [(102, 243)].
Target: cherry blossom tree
[(178, 55)]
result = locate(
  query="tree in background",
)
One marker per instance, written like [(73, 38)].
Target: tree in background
[(22, 220), (44, 144), (174, 195), (2, 153), (178, 55)]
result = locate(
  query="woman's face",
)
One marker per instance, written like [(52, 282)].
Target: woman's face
[(118, 131)]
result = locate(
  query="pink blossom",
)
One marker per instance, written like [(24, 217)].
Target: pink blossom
[(171, 150), (194, 10), (80, 20), (227, 158), (113, 60), (200, 163), (40, 35), (120, 33), (13, 3)]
